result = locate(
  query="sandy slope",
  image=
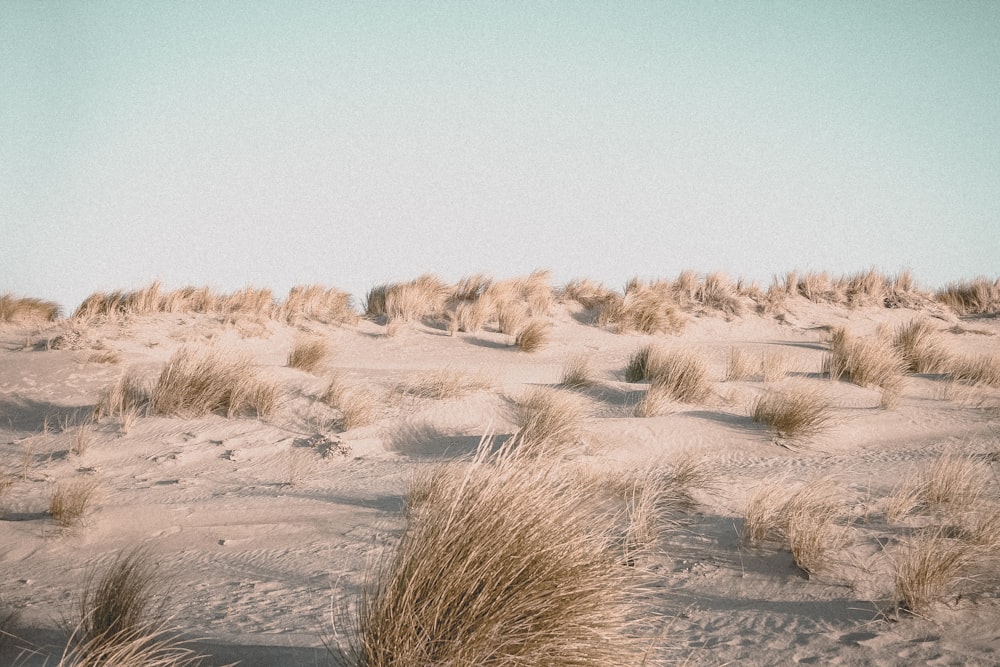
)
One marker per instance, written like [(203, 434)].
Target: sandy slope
[(260, 534)]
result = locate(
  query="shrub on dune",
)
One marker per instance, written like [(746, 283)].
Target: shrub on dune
[(504, 563), (27, 309), (740, 365), (717, 293), (197, 381), (441, 384), (637, 368)]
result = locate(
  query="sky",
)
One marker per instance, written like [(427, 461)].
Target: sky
[(350, 144)]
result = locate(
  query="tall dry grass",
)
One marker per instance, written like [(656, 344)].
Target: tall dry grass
[(979, 296), (442, 384), (308, 354), (357, 406), (795, 414), (315, 302), (929, 568), (577, 372), (548, 421), (121, 623), (680, 374), (424, 296), (532, 336), (866, 362), (199, 381), (587, 293), (644, 308), (72, 501), (921, 347), (982, 369), (27, 309), (504, 562)]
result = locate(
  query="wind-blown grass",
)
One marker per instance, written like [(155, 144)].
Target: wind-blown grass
[(27, 309), (866, 362), (794, 414), (921, 347), (308, 354), (548, 421), (502, 563)]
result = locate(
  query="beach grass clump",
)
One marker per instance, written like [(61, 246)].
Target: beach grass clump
[(979, 370), (72, 501), (532, 336), (647, 308), (764, 513), (577, 373), (121, 624), (357, 406), (424, 296), (199, 381), (308, 354), (921, 347), (717, 292), (126, 399), (27, 309), (979, 296), (317, 303), (442, 384), (740, 365), (866, 362), (637, 368), (795, 414), (505, 562), (680, 374), (929, 568), (548, 421), (587, 293), (813, 526)]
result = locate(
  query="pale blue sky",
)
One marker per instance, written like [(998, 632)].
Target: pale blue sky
[(273, 144)]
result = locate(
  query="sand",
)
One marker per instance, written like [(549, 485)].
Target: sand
[(263, 526)]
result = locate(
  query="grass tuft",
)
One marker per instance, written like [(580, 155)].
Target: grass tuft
[(27, 309), (680, 374), (794, 414), (502, 563), (532, 336), (866, 362), (308, 354), (71, 502), (358, 407), (928, 569), (441, 384), (979, 296), (196, 382), (548, 421), (577, 373), (921, 347)]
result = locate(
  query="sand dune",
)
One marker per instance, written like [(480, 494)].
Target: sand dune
[(265, 520)]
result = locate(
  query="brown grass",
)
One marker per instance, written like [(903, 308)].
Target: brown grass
[(308, 354), (548, 421), (648, 309), (119, 623), (637, 369), (929, 568), (763, 515), (503, 563), (740, 365), (979, 296), (27, 309), (816, 535), (532, 336), (577, 373), (587, 293), (315, 302), (717, 292), (410, 301), (199, 381), (442, 384), (125, 399), (866, 362), (953, 482), (681, 374), (983, 369), (71, 502), (358, 407), (794, 414), (921, 347)]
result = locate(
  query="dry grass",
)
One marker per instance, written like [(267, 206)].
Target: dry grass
[(718, 293), (199, 381), (71, 502), (587, 293), (978, 296), (27, 309), (119, 623), (308, 354), (315, 302), (126, 399), (358, 407), (953, 482), (82, 437), (794, 414), (764, 514), (637, 369), (773, 366), (681, 374), (655, 402), (548, 421), (442, 384), (577, 373), (532, 336), (929, 568), (983, 369), (503, 563), (866, 362), (410, 301), (740, 365), (921, 347), (104, 357), (816, 535), (645, 308)]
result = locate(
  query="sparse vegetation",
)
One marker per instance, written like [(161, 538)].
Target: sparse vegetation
[(27, 309), (71, 502), (532, 336), (548, 421), (681, 374), (308, 354), (983, 369), (502, 563), (577, 373), (921, 347), (866, 362), (794, 414), (125, 399), (198, 381), (740, 365), (812, 518), (978, 296), (927, 569), (357, 406), (637, 369), (442, 384)]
